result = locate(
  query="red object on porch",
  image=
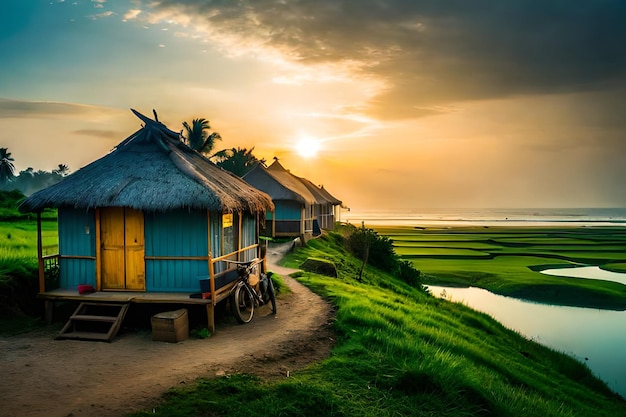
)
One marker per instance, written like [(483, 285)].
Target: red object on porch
[(86, 289)]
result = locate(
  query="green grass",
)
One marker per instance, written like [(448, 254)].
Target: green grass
[(506, 260), (19, 238), (400, 351), (18, 271)]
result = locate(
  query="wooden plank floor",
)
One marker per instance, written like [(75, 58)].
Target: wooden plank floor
[(122, 297)]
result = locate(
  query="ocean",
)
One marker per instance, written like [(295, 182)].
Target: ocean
[(488, 217)]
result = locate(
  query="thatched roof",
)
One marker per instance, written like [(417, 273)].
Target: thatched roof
[(152, 170), (334, 201), (279, 183), (321, 195)]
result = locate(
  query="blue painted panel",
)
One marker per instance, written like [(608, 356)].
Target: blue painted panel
[(77, 237), (248, 236), (287, 210), (175, 275), (73, 272), (216, 240), (176, 233), (77, 232)]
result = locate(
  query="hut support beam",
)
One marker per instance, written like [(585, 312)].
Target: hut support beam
[(98, 252), (210, 314), (42, 276), (210, 308), (48, 311)]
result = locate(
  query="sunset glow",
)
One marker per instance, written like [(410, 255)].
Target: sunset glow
[(307, 147), (536, 124)]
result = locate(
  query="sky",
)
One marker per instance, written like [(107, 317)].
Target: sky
[(407, 103)]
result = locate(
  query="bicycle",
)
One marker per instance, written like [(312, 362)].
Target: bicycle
[(250, 291)]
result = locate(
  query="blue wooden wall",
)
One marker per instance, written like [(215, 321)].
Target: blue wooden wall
[(77, 237), (287, 210), (248, 236), (179, 233)]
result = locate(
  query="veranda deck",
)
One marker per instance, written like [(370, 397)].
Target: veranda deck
[(50, 297)]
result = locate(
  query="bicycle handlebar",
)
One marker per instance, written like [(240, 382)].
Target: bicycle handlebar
[(245, 263)]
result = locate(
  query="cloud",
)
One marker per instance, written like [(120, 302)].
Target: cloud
[(432, 52), (101, 15), (11, 108), (104, 134), (131, 14)]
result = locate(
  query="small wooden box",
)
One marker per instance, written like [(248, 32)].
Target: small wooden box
[(170, 326)]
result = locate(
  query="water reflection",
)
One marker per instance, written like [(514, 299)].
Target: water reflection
[(596, 337), (589, 272)]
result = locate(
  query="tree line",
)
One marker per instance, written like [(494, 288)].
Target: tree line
[(197, 135), (27, 181)]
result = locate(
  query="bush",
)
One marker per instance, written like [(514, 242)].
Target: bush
[(367, 245)]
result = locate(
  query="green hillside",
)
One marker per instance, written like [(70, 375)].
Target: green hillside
[(402, 352)]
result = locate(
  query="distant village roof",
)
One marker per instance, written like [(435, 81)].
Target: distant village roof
[(279, 183), (321, 195), (329, 196), (152, 170)]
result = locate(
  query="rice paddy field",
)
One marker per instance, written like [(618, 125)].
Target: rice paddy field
[(507, 260), (18, 248), (18, 239)]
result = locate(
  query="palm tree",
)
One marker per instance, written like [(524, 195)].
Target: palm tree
[(198, 137), (62, 170), (7, 169), (238, 161)]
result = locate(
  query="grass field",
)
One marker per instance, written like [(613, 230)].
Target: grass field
[(18, 271), (402, 352), (506, 260)]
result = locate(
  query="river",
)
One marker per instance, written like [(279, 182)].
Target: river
[(595, 337)]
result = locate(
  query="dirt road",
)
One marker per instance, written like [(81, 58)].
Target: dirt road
[(41, 376)]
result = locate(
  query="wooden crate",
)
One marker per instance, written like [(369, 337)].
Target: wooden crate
[(170, 326)]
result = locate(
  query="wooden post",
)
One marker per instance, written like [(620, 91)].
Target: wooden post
[(48, 311), (210, 314), (42, 276), (98, 251), (240, 221), (210, 307), (210, 248)]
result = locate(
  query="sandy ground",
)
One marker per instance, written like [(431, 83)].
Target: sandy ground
[(40, 376)]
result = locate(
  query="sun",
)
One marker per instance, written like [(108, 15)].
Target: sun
[(307, 147)]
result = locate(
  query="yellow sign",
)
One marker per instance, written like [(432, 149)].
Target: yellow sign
[(227, 220)]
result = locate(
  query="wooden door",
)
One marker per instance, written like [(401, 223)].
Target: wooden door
[(134, 250), (123, 249)]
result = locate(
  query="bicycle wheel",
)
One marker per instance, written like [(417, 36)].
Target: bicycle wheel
[(242, 304), (271, 294)]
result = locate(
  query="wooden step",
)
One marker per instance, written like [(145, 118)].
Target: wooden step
[(93, 321), (87, 317)]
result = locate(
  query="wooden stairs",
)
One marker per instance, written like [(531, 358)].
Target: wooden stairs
[(94, 321)]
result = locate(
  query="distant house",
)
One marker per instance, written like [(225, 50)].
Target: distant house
[(149, 221), (327, 208), (301, 207)]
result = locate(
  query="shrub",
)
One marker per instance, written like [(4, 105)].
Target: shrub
[(367, 245)]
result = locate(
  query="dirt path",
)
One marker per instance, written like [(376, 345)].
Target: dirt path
[(45, 377)]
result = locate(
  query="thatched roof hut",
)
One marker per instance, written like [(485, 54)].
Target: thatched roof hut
[(152, 170), (302, 208), (152, 221), (279, 183)]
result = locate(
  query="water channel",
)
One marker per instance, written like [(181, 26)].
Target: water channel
[(595, 337)]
